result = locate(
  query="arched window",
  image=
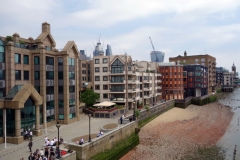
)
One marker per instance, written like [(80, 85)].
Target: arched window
[(117, 66)]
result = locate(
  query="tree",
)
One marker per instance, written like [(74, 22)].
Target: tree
[(89, 97)]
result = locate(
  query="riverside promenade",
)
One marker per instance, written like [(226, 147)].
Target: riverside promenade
[(67, 132)]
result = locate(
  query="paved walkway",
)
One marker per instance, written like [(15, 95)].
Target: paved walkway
[(67, 132)]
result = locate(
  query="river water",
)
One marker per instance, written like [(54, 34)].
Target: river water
[(231, 139)]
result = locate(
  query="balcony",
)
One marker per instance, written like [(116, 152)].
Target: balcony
[(117, 73), (131, 90), (146, 97), (115, 82), (130, 81), (146, 88), (121, 99), (117, 90), (146, 81), (159, 87), (131, 72)]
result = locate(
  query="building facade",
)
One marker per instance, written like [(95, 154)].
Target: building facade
[(219, 76), (195, 80), (45, 79), (109, 50), (205, 60), (228, 78), (172, 81), (157, 56), (119, 79)]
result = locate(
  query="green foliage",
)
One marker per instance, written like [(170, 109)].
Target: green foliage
[(21, 42), (207, 100), (118, 106), (119, 150), (147, 108), (137, 113), (8, 38), (219, 90), (89, 97), (141, 104)]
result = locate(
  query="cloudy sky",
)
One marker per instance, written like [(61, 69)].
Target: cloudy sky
[(197, 26)]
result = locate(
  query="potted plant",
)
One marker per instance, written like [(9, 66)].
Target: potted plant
[(140, 105), (137, 113), (147, 108)]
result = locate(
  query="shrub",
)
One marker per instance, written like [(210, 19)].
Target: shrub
[(147, 108)]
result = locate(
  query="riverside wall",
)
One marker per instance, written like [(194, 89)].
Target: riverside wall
[(112, 138)]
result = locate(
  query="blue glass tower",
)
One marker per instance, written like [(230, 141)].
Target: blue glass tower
[(108, 50), (157, 56)]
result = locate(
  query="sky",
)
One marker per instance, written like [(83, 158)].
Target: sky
[(196, 26)]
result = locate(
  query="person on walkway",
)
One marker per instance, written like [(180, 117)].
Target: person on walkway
[(30, 145), (41, 153), (25, 135), (30, 135), (30, 157), (121, 119), (51, 154), (81, 141), (114, 115), (46, 153)]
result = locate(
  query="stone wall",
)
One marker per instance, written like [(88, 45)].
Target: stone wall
[(109, 140)]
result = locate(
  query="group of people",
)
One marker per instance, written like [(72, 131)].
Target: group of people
[(121, 118), (28, 134), (43, 154), (49, 142)]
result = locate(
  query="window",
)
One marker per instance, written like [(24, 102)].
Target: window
[(71, 75), (26, 75), (60, 104), (105, 69), (60, 75), (60, 61), (49, 75), (50, 89), (105, 95), (71, 89), (104, 60), (25, 59), (36, 60), (60, 89), (96, 61), (49, 60), (37, 89), (117, 66), (105, 78), (97, 78), (2, 74), (71, 61), (96, 69), (17, 74), (48, 48), (2, 57), (105, 87), (97, 87), (18, 58), (36, 75)]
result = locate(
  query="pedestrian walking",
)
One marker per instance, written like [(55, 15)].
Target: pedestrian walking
[(114, 115), (30, 144), (121, 119)]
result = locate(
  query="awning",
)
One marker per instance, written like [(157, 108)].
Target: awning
[(104, 104)]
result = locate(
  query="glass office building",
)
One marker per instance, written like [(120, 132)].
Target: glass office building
[(157, 56)]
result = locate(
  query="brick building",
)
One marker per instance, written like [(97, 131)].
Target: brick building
[(172, 81)]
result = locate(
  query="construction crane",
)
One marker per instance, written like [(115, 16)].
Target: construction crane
[(154, 50)]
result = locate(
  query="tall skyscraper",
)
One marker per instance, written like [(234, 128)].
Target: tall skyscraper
[(98, 50), (157, 56), (83, 56), (108, 50)]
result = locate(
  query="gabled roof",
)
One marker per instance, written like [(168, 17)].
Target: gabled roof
[(44, 35), (19, 95), (70, 45)]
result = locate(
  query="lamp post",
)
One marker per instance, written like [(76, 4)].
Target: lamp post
[(134, 116), (58, 126), (89, 138)]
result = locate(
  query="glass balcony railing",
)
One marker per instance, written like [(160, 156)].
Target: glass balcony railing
[(117, 90)]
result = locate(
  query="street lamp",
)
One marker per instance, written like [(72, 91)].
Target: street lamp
[(58, 126), (89, 138), (134, 116)]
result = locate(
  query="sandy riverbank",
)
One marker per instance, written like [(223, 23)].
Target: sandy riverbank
[(180, 132)]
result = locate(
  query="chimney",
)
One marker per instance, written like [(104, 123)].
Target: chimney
[(45, 27), (185, 53)]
